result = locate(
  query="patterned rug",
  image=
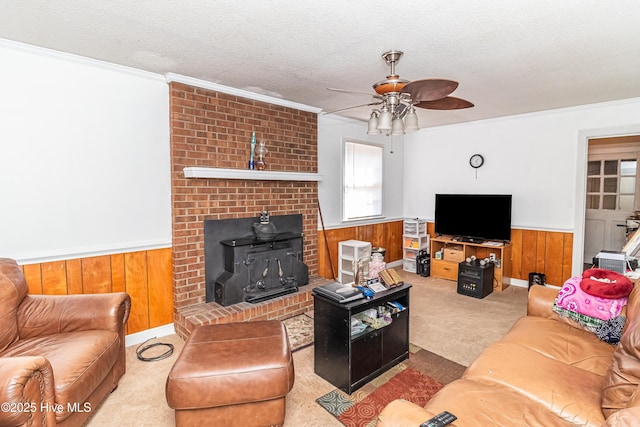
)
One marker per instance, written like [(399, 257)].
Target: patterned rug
[(300, 330), (416, 380)]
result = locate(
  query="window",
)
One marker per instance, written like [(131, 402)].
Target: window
[(362, 190), (611, 184)]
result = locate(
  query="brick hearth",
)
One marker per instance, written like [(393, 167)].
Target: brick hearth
[(279, 308)]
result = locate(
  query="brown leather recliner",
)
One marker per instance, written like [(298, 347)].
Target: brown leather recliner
[(60, 356)]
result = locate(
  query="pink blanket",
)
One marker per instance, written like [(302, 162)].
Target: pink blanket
[(572, 298)]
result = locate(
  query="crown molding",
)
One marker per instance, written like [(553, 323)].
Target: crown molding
[(78, 59), (191, 81)]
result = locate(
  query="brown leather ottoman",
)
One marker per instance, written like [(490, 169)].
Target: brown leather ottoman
[(235, 374)]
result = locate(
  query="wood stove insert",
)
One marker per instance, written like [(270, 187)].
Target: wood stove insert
[(242, 267)]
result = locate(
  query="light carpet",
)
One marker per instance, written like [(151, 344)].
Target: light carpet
[(441, 320)]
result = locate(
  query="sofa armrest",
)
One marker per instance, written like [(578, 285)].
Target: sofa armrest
[(402, 413), (26, 391), (540, 302), (40, 315)]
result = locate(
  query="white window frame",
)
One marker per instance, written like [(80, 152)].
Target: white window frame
[(375, 212)]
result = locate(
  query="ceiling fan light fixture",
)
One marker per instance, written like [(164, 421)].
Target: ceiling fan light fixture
[(399, 98), (411, 121), (373, 124), (384, 120), (397, 127)]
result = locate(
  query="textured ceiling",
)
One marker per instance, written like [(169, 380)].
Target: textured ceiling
[(509, 56)]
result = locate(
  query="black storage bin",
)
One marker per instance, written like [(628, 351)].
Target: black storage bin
[(537, 279)]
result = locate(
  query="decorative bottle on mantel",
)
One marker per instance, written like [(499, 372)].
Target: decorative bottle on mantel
[(252, 163), (261, 153)]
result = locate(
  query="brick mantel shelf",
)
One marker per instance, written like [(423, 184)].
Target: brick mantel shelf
[(200, 172)]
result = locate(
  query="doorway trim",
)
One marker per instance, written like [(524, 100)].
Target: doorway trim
[(581, 185)]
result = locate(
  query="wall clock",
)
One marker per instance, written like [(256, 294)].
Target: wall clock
[(476, 161)]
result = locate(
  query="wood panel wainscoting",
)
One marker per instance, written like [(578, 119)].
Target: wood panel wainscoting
[(547, 252), (147, 275), (144, 275), (386, 235)]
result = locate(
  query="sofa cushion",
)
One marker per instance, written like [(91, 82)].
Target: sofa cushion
[(491, 404), (622, 379), (562, 342), (569, 392), (80, 362), (13, 289)]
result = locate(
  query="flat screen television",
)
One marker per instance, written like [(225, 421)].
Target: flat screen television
[(474, 217)]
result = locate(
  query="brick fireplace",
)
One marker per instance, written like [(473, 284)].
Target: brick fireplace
[(213, 129)]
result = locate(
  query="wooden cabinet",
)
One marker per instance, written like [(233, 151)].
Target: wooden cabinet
[(350, 360), (446, 253)]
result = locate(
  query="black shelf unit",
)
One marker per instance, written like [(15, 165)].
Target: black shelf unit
[(350, 361)]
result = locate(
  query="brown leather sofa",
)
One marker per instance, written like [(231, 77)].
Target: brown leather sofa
[(60, 356), (546, 371)]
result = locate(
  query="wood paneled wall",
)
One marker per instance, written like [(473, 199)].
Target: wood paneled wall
[(144, 275), (147, 275), (547, 252), (386, 235)]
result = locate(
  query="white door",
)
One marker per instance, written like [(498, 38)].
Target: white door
[(612, 180)]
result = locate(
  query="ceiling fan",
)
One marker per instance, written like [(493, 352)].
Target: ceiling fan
[(398, 97)]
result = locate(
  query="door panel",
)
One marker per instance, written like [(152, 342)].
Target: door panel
[(593, 238), (618, 234), (611, 197)]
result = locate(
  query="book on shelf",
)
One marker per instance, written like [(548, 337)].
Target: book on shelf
[(339, 292)]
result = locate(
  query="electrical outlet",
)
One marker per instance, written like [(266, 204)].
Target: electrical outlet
[(492, 257)]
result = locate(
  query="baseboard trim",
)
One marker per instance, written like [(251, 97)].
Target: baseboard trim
[(142, 336), (519, 283)]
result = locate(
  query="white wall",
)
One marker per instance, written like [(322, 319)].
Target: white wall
[(84, 156), (84, 159), (332, 132), (540, 158)]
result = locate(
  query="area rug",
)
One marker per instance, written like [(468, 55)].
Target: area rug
[(416, 380), (300, 330)]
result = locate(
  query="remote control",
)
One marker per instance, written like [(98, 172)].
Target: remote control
[(440, 420)]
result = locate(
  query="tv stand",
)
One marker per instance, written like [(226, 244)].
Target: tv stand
[(447, 252)]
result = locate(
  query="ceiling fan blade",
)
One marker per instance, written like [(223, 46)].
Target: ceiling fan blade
[(375, 95), (349, 108), (429, 89), (447, 103)]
